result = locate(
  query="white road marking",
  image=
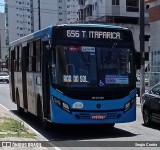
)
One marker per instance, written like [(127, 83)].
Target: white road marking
[(4, 107), (57, 148)]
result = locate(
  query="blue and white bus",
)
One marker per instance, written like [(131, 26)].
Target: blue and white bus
[(75, 74)]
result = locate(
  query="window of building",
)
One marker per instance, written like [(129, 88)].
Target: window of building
[(132, 5), (115, 2), (96, 5), (81, 2)]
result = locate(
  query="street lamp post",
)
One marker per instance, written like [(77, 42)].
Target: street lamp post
[(142, 49), (0, 51), (39, 14)]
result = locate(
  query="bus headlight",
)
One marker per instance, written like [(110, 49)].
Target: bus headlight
[(61, 104), (129, 104), (56, 101), (65, 106)]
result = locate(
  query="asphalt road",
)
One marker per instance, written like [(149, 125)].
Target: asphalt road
[(95, 137), (5, 96)]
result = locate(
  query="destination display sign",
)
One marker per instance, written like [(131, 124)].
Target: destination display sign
[(95, 34), (89, 34)]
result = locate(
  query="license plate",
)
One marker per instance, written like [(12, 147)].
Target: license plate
[(98, 116)]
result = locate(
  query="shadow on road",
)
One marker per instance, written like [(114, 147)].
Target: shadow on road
[(73, 132), (153, 126)]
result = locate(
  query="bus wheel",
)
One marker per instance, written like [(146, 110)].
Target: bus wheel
[(20, 110), (111, 125), (40, 116), (146, 117)]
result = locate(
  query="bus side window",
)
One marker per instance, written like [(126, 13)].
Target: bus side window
[(19, 60), (53, 64), (27, 57), (38, 55), (14, 60), (32, 57)]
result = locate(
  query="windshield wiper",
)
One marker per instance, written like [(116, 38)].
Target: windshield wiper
[(108, 56)]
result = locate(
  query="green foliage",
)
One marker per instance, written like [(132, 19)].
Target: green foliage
[(12, 125), (13, 128)]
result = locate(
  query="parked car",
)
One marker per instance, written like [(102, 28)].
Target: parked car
[(150, 105), (4, 77)]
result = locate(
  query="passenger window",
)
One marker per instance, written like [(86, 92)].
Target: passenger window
[(38, 55), (30, 55)]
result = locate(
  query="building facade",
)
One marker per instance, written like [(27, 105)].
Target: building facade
[(116, 12), (3, 47), (154, 19), (26, 16)]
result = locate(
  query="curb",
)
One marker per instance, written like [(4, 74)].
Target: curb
[(4, 112)]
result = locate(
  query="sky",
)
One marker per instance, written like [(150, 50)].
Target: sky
[(1, 5)]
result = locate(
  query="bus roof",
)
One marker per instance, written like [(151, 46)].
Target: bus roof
[(49, 31), (93, 25), (32, 35)]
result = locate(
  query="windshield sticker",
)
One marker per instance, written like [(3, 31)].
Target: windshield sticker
[(67, 78), (88, 49), (74, 78), (113, 79), (83, 78), (101, 83)]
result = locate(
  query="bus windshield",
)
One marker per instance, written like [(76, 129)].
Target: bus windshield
[(83, 66)]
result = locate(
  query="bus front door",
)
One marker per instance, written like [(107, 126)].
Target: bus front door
[(45, 80), (24, 77)]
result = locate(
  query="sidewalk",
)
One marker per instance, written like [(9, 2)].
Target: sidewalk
[(24, 143), (138, 101)]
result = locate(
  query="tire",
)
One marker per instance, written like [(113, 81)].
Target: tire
[(43, 122), (146, 117), (19, 109), (111, 125)]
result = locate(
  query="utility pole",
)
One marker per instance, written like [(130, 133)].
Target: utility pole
[(0, 52), (142, 49), (39, 15)]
